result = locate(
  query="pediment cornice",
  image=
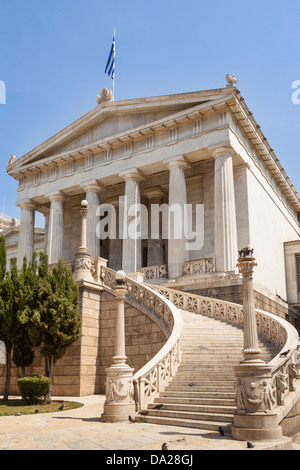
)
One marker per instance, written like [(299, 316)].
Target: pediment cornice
[(209, 102), (108, 109)]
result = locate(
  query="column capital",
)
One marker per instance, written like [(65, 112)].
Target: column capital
[(92, 185), (56, 196), (219, 150), (132, 174), (27, 204), (178, 161)]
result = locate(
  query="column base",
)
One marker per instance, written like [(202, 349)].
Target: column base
[(120, 403), (118, 412), (256, 427), (83, 267)]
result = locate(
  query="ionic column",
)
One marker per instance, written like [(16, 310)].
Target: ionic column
[(155, 245), (26, 234), (56, 228), (132, 243), (92, 192), (115, 242), (46, 232), (177, 253), (225, 215)]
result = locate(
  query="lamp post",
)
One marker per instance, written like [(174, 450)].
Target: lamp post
[(246, 264), (83, 262), (255, 417), (119, 402)]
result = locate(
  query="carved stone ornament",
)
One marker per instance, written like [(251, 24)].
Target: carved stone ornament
[(105, 95), (11, 159), (84, 264), (119, 390), (260, 397), (231, 80), (282, 386)]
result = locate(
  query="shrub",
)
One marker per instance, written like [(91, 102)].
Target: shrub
[(33, 388)]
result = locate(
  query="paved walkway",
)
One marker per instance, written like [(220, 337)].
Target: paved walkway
[(82, 429)]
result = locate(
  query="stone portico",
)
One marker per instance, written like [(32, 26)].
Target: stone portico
[(200, 148)]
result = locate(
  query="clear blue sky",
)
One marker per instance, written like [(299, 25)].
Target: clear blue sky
[(53, 55)]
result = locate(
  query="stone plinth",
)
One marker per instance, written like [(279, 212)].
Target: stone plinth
[(255, 418)]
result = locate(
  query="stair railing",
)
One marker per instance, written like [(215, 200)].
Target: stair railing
[(274, 328), (152, 378)]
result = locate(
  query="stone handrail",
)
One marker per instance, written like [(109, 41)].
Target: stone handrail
[(272, 327), (151, 379)]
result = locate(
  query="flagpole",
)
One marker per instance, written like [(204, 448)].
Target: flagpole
[(113, 79)]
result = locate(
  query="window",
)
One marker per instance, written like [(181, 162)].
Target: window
[(298, 271)]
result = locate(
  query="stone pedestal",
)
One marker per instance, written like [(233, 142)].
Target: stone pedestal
[(255, 419), (119, 403)]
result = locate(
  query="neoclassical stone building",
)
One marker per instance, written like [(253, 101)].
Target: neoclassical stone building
[(201, 148)]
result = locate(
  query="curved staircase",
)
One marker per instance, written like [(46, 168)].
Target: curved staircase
[(202, 393)]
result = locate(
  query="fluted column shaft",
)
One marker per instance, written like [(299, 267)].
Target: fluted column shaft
[(225, 214), (132, 243), (177, 253), (56, 228), (26, 234), (93, 198), (155, 245)]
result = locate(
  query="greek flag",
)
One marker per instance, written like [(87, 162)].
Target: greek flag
[(110, 66)]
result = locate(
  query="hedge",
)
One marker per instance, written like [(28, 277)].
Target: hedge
[(33, 388)]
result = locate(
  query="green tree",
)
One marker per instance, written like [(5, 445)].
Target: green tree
[(55, 319), (26, 291), (8, 311)]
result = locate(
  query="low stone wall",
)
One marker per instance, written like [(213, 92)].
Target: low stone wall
[(82, 369)]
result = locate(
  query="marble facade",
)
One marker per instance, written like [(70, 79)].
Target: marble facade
[(192, 148)]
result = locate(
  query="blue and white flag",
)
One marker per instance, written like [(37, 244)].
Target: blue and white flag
[(110, 66)]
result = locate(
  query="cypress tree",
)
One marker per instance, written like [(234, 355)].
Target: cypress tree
[(55, 320), (8, 311)]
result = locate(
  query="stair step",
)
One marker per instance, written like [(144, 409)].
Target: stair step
[(195, 408), (196, 401), (192, 415), (198, 394), (189, 423), (210, 351)]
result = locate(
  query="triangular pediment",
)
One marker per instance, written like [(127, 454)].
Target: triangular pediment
[(116, 118)]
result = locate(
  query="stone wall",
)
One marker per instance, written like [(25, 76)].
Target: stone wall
[(82, 369)]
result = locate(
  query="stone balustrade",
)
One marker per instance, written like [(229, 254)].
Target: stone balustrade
[(154, 272), (199, 266), (151, 379), (160, 271), (285, 389)]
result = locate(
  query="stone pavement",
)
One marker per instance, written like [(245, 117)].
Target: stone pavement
[(82, 429)]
